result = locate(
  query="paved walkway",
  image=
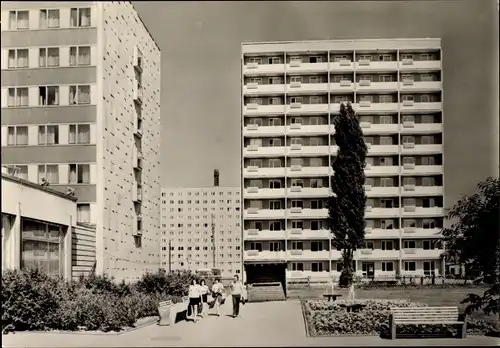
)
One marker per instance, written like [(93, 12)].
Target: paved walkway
[(261, 324)]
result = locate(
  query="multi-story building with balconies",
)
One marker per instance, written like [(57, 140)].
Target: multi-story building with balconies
[(291, 92), (201, 228), (80, 98)]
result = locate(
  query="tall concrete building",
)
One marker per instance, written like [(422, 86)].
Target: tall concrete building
[(80, 84), (291, 91), (201, 228)]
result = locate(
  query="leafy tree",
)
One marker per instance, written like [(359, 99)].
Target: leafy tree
[(472, 240), (489, 302), (346, 207)]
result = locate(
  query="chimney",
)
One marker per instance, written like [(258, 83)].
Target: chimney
[(216, 178)]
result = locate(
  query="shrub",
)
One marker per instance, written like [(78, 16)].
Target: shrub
[(174, 283)]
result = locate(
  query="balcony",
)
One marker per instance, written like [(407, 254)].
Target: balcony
[(368, 86), (371, 170), (380, 233), (342, 86), (300, 213), (422, 191), (418, 232), (265, 255), (343, 65), (251, 172), (421, 170), (376, 66), (308, 192), (137, 94), (301, 67), (376, 254), (306, 88), (421, 128), (263, 69), (379, 129), (413, 211), (137, 159), (420, 86), (308, 234), (263, 151), (375, 213), (425, 65), (264, 214), (298, 129), (372, 191), (254, 234), (305, 255), (254, 89), (253, 130), (304, 109), (303, 172), (261, 110), (410, 106), (417, 254), (421, 149), (307, 274), (264, 193), (136, 193), (369, 107), (378, 150), (299, 150)]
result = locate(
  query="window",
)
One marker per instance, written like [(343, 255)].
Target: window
[(338, 78), (17, 135), (19, 20), (295, 141), (294, 100), (274, 80), (295, 120), (274, 246), (297, 245), (48, 135), (429, 268), (274, 101), (385, 57), (315, 142), (314, 99), (408, 140), (79, 55), (409, 77), (314, 121), (369, 245), (366, 98), (409, 202), (275, 205), (18, 58), (407, 97), (256, 246), (341, 99), (406, 56), (257, 101), (80, 17), (386, 99), (386, 182), (316, 246), (409, 244), (18, 171), (385, 78), (365, 57), (410, 266), (366, 77), (317, 267), (425, 56), (339, 58), (255, 80), (297, 225), (275, 142), (315, 79), (316, 204), (79, 173), (274, 122), (427, 140), (428, 161), (409, 181), (79, 95), (274, 60), (408, 118), (274, 184), (387, 266), (41, 246), (427, 119), (385, 140), (48, 95), (48, 57), (255, 60), (297, 183), (49, 19), (274, 226), (255, 163), (315, 59), (48, 173), (428, 181), (83, 212), (429, 224), (297, 204), (297, 266), (427, 77), (18, 97), (426, 245), (387, 245), (316, 225)]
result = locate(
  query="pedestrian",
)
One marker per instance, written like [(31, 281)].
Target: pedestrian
[(194, 299), (236, 291), (204, 297), (244, 294), (217, 289)]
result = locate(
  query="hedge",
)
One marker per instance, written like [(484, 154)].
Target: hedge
[(31, 300)]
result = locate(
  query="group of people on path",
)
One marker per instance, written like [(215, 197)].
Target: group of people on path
[(199, 301)]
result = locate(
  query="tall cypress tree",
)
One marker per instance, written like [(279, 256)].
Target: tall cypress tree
[(346, 207)]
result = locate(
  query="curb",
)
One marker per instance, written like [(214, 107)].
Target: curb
[(304, 317)]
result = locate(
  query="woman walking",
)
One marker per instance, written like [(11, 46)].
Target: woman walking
[(217, 289), (204, 297), (194, 299)]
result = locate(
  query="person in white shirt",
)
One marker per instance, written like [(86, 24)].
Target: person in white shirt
[(236, 290), (217, 289), (204, 297), (194, 298)]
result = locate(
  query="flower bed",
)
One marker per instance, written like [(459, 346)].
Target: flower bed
[(331, 319)]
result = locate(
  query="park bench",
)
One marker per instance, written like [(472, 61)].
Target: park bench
[(169, 311), (355, 307), (426, 316), (331, 297)]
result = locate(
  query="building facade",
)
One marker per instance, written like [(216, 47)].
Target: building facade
[(290, 93), (201, 228), (80, 94)]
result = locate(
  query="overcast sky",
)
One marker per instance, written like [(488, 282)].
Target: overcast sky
[(200, 44)]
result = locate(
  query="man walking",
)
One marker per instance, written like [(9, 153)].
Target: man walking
[(236, 291)]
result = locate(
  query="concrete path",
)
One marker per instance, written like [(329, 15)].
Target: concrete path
[(261, 324)]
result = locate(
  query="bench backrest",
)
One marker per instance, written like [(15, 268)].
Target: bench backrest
[(425, 314), (166, 303)]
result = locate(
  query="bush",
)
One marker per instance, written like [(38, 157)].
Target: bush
[(175, 283)]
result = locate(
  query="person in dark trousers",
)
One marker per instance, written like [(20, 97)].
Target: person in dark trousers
[(236, 292)]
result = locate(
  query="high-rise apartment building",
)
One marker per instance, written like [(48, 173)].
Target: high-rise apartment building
[(201, 228), (291, 91), (80, 98)]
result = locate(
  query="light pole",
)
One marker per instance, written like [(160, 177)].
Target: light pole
[(213, 240)]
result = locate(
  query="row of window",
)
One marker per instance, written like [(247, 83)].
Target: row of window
[(278, 80), (205, 210), (48, 96), (189, 194), (338, 58), (337, 99), (49, 18), (221, 201), (49, 135), (386, 266), (182, 256), (205, 225), (181, 266), (49, 57), (50, 173)]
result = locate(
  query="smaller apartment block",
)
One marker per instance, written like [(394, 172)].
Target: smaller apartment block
[(190, 217), (291, 91)]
